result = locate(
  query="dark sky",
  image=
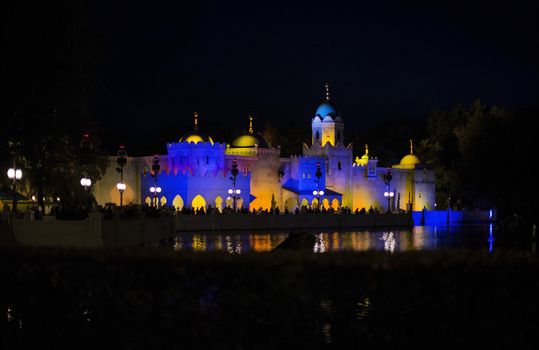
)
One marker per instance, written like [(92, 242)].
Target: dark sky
[(163, 60)]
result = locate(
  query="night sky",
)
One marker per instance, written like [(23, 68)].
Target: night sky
[(228, 59), (158, 62)]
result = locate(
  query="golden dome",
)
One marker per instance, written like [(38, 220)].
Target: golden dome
[(249, 140), (195, 138), (410, 159)]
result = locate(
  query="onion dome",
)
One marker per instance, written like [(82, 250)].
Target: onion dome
[(410, 159), (195, 136), (250, 139)]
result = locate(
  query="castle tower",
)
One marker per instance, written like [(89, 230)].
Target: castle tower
[(328, 142), (327, 125)]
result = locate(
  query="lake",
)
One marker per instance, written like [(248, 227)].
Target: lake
[(390, 240)]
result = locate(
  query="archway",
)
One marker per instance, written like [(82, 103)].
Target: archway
[(239, 202), (177, 202), (229, 202), (127, 197), (304, 202), (335, 204), (163, 201), (219, 203), (325, 203), (198, 202), (291, 204), (148, 201), (314, 203)]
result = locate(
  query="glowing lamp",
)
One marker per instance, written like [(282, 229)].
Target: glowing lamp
[(321, 193), (315, 193), (121, 186), (238, 191), (158, 190), (152, 189), (230, 191)]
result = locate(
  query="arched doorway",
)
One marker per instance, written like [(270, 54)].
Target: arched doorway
[(239, 202), (325, 203), (198, 202), (335, 204), (148, 201), (163, 201), (291, 204), (177, 202), (304, 202), (219, 203), (314, 203)]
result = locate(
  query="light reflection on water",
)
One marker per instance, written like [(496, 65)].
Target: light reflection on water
[(416, 238)]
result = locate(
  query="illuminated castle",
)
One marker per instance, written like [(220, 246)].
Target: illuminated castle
[(196, 172)]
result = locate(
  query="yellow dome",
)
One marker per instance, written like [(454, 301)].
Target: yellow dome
[(248, 141), (409, 159), (195, 138)]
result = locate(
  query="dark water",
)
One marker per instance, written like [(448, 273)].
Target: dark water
[(390, 240)]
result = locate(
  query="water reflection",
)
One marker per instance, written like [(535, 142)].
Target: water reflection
[(232, 244), (416, 238)]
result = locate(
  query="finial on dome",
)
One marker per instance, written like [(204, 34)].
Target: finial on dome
[(327, 92), (366, 149), (411, 146), (251, 125), (196, 122)]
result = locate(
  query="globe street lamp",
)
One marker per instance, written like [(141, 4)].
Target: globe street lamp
[(86, 183), (155, 173), (121, 188), (155, 191), (233, 191), (121, 160), (318, 175), (14, 174), (388, 194), (234, 194)]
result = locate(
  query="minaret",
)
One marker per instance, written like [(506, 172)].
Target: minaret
[(327, 126), (195, 129)]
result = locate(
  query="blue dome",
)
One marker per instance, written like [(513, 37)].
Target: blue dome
[(326, 108)]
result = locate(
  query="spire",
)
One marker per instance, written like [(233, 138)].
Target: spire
[(327, 92), (251, 125), (196, 123), (366, 149), (411, 147)]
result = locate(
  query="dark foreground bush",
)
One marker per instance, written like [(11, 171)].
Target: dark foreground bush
[(155, 299)]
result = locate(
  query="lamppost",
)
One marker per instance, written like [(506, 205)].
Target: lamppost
[(14, 174), (121, 160), (388, 194), (318, 193), (233, 191), (155, 190), (85, 182), (86, 146)]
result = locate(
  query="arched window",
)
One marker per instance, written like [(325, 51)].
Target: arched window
[(207, 160), (317, 136), (339, 165)]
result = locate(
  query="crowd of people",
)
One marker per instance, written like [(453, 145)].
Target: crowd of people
[(80, 211)]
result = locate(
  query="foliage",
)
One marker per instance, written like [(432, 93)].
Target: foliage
[(479, 155)]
